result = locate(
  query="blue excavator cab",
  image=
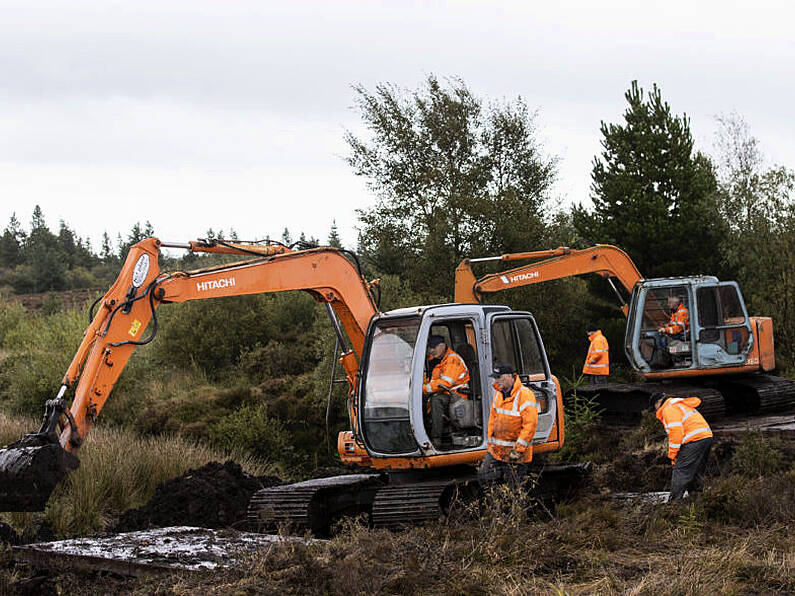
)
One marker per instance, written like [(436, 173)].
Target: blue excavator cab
[(718, 334)]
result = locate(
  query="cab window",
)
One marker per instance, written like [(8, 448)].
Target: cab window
[(514, 342), (721, 316), (386, 386), (662, 350)]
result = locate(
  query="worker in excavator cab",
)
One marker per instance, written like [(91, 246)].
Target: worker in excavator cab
[(672, 336), (597, 362), (512, 424), (679, 321), (689, 441), (449, 377)]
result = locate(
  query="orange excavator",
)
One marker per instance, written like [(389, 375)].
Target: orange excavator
[(722, 356), (408, 477)]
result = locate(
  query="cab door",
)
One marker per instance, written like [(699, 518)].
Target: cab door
[(723, 333), (514, 339)]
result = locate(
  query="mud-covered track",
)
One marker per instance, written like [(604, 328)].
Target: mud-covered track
[(314, 504), (399, 505)]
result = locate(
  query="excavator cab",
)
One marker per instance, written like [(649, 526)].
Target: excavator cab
[(395, 414), (718, 332)]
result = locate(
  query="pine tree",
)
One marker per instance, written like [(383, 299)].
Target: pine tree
[(334, 236), (66, 240), (46, 256), (37, 219), (286, 238), (16, 229), (11, 244), (653, 195), (106, 251), (134, 237)]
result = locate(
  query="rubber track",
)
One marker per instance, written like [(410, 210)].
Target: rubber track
[(401, 505)]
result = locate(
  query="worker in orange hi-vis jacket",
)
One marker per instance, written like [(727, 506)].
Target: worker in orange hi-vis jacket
[(597, 362), (689, 441), (448, 377), (679, 321), (512, 423)]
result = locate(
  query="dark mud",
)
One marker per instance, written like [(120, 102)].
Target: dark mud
[(639, 472), (213, 496), (8, 535)]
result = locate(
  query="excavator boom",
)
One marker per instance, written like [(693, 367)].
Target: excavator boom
[(604, 259), (31, 467)]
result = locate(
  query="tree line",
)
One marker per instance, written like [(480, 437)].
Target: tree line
[(455, 175), (38, 260)]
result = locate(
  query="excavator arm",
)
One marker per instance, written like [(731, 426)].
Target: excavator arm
[(123, 317), (603, 259)]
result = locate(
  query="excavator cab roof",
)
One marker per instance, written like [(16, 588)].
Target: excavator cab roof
[(439, 308), (690, 280)]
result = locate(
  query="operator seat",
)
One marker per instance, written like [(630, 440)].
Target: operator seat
[(467, 352)]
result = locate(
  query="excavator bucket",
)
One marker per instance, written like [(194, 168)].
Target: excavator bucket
[(29, 471)]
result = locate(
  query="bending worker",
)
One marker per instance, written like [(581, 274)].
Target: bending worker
[(597, 362), (689, 441), (512, 424), (448, 378)]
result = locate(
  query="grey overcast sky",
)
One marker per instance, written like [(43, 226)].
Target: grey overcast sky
[(231, 114)]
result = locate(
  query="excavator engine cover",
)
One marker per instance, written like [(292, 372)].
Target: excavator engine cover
[(29, 471)]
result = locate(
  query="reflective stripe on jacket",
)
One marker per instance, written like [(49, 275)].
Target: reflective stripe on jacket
[(597, 362), (512, 422), (679, 322), (451, 372), (682, 422)]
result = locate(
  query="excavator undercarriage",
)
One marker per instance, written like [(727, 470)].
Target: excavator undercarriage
[(743, 395), (393, 500)]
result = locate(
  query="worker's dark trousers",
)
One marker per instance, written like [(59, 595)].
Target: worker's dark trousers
[(440, 407), (688, 473), (494, 470), (598, 379)]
